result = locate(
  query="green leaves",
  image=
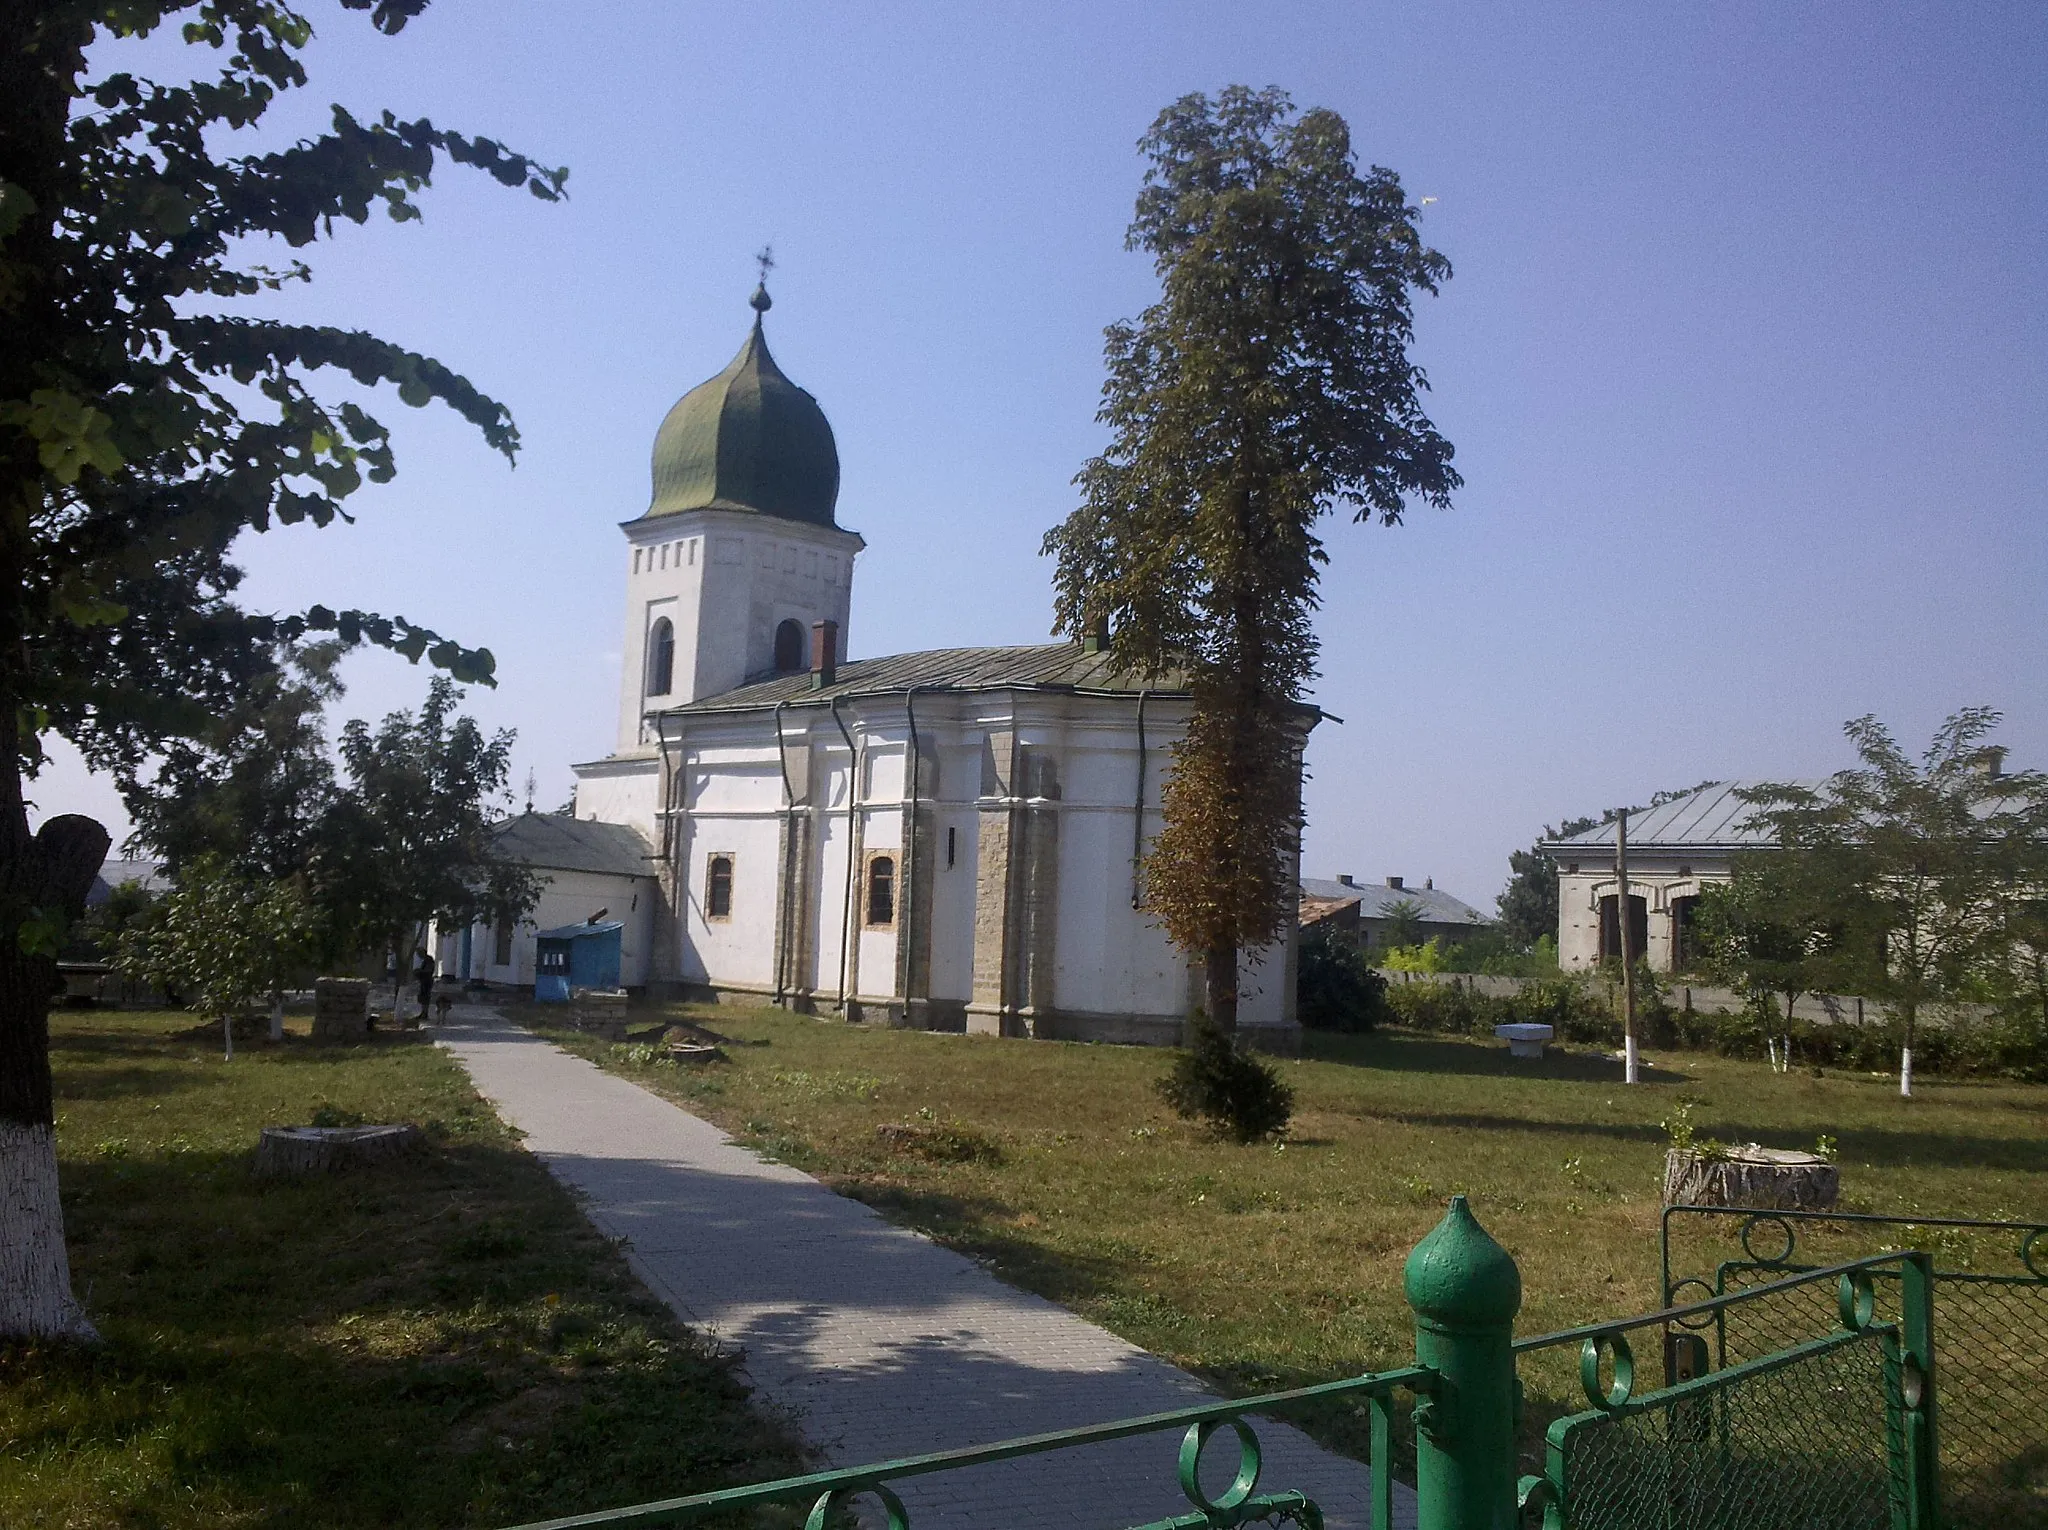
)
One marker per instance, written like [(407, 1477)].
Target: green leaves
[(141, 432), (70, 434), (1269, 384)]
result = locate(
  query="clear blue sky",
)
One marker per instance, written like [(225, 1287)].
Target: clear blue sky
[(1744, 360)]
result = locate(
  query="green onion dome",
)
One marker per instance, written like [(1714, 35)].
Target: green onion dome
[(749, 439)]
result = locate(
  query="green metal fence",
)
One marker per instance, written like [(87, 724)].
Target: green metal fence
[(1990, 1296), (1834, 1428)]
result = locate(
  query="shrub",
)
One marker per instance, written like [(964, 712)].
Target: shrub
[(1240, 1096), (1335, 987), (1426, 957), (1573, 1013), (1448, 1007)]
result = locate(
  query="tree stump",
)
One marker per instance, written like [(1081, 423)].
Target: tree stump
[(285, 1151), (1767, 1179), (341, 1009)]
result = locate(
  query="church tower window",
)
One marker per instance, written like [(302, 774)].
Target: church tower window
[(661, 658), (718, 887), (789, 647), (882, 891)]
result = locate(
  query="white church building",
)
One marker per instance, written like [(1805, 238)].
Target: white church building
[(948, 840)]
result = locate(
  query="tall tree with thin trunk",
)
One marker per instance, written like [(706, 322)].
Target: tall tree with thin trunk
[(145, 423), (1268, 387), (1916, 847)]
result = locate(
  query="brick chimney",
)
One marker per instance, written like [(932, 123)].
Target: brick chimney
[(1395, 883), (824, 654)]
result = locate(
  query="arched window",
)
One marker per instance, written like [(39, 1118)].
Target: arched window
[(718, 887), (882, 890), (661, 658), (789, 647)]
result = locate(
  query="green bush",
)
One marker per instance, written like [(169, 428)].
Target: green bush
[(1240, 1096), (1335, 987), (1446, 1007)]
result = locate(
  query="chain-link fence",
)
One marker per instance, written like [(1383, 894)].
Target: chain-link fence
[(1811, 1444), (1990, 1330)]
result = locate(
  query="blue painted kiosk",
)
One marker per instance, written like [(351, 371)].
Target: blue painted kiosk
[(576, 956)]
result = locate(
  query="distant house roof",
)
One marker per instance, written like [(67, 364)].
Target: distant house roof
[(150, 876), (1712, 818), (1039, 666), (1432, 904), (556, 842)]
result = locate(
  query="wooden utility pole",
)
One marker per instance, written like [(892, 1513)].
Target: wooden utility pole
[(1628, 961)]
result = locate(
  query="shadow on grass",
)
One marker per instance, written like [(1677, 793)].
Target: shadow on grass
[(1410, 1052), (440, 1340)]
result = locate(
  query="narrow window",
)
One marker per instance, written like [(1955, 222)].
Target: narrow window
[(952, 846), (882, 890), (661, 658), (718, 888), (789, 647), (501, 951), (636, 560)]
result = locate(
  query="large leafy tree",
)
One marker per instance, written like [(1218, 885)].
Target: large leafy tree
[(1926, 849), (145, 424), (251, 788), (1268, 387), (411, 836)]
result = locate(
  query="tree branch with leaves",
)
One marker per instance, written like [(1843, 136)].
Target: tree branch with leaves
[(145, 426)]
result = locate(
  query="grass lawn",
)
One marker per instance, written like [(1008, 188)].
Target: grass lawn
[(440, 1342), (1267, 1266)]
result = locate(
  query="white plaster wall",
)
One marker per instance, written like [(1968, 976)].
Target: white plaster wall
[(881, 831), (726, 579), (830, 855), (952, 958), (571, 897), (741, 948), (627, 792)]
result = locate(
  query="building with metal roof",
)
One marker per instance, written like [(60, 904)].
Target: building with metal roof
[(1675, 851), (949, 839), (1366, 912)]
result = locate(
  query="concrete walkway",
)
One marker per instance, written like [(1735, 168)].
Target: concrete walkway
[(881, 1342)]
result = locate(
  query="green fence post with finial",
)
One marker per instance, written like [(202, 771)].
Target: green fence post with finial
[(1465, 1290)]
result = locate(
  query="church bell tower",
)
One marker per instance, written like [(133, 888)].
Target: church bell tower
[(738, 552)]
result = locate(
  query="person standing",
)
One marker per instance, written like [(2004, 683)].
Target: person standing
[(425, 973)]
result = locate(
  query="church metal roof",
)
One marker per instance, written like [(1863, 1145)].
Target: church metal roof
[(556, 842), (1039, 666), (748, 439)]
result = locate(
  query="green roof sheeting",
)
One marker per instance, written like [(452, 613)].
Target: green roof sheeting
[(749, 440)]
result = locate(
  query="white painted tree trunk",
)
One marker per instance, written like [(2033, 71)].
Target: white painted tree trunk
[(277, 1014), (1905, 1073), (1632, 1065), (35, 1271)]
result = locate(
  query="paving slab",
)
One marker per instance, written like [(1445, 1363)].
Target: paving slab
[(880, 1342)]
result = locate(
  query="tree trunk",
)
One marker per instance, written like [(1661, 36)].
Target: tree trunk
[(43, 883), (1906, 1053), (1219, 977)]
